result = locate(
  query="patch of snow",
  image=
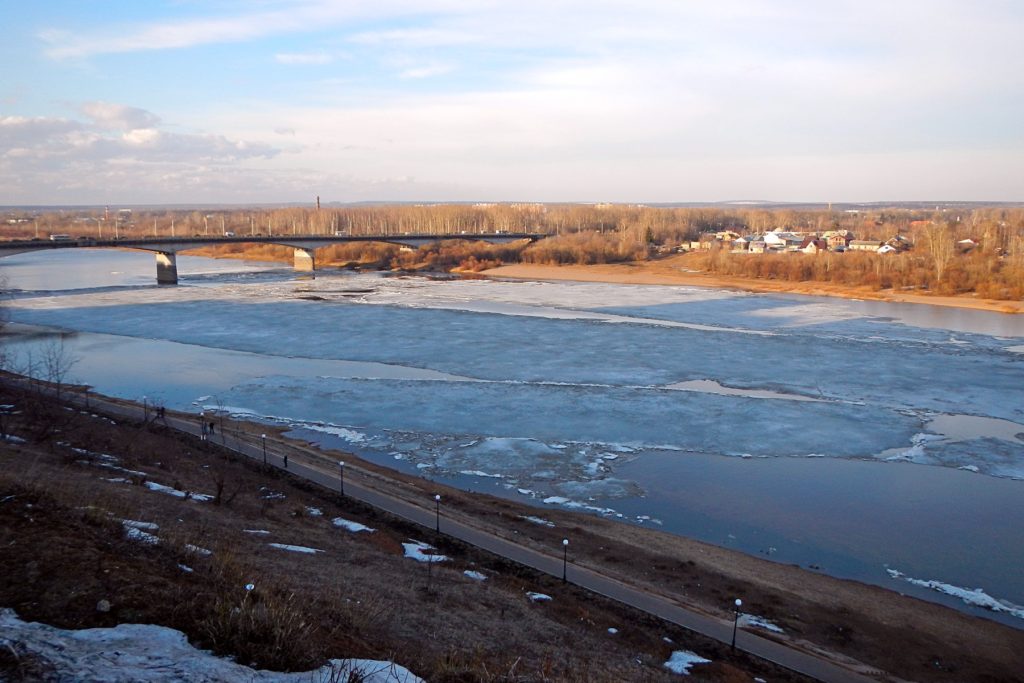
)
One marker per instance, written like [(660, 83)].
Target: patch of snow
[(261, 532), (135, 524), (354, 527), (476, 576), (314, 512), (185, 568), (196, 550), (140, 536), (681, 661), (156, 654), (755, 621), (613, 630), (295, 548), (420, 551), (969, 468), (160, 488), (267, 494), (538, 521), (538, 597), (976, 597), (11, 438)]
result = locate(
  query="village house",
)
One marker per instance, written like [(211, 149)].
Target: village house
[(813, 245), (838, 240), (865, 245)]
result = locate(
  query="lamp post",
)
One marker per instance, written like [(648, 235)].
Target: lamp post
[(264, 437), (145, 410), (736, 621), (565, 559), (341, 476), (202, 424), (437, 511)]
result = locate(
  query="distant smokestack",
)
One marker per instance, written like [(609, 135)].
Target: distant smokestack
[(318, 202)]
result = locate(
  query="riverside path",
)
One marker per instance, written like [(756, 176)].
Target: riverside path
[(325, 474)]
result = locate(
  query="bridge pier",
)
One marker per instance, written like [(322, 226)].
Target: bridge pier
[(304, 260), (166, 268)]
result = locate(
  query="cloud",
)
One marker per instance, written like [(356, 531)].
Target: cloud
[(303, 58), (107, 115), (118, 148)]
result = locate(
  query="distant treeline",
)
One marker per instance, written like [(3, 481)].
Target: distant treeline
[(587, 234)]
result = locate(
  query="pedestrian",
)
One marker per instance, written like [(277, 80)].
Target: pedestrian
[(202, 437), (286, 461), (211, 428)]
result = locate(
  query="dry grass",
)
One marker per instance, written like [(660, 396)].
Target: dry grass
[(66, 552)]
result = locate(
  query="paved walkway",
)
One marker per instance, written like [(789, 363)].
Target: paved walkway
[(328, 476)]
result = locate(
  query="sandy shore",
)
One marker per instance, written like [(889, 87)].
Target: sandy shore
[(675, 271)]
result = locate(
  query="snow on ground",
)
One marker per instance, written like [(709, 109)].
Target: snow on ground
[(422, 552), (681, 661), (537, 597), (976, 597), (155, 654), (295, 548), (476, 576), (261, 532), (354, 527), (539, 521), (11, 438), (314, 512), (139, 531), (612, 630), (160, 488), (752, 620), (196, 550)]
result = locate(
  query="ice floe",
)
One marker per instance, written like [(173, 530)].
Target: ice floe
[(976, 597)]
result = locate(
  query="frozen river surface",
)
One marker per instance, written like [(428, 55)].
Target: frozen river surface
[(880, 443)]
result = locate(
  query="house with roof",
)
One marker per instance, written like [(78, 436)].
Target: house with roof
[(865, 245)]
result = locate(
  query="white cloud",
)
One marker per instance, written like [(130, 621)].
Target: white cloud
[(108, 115)]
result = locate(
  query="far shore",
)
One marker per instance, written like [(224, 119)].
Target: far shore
[(673, 271)]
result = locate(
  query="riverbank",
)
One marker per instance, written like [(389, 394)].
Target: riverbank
[(848, 621), (675, 270)]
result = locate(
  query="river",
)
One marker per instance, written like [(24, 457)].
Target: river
[(872, 441)]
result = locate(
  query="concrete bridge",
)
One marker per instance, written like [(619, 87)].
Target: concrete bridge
[(305, 246)]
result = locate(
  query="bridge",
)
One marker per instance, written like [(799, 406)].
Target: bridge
[(305, 246)]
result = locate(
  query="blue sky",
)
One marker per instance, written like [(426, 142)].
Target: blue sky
[(561, 100)]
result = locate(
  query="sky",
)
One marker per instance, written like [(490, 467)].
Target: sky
[(263, 101)]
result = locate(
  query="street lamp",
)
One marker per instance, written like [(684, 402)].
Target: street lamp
[(341, 476), (264, 437), (437, 510), (736, 621), (565, 559)]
